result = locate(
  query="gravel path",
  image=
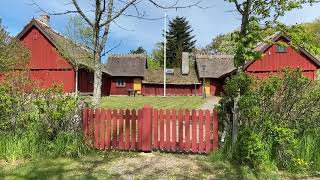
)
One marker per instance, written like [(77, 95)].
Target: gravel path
[(211, 102)]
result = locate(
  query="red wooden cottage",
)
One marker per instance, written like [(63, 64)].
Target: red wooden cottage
[(213, 69), (127, 72), (277, 57), (54, 60)]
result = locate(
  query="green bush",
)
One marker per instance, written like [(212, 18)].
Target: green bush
[(36, 123), (278, 121)]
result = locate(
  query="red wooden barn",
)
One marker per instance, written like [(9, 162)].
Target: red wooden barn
[(55, 60), (278, 57)]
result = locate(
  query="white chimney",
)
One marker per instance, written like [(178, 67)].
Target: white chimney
[(45, 18), (185, 63)]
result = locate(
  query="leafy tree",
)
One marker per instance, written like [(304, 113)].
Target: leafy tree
[(152, 64), (179, 40), (13, 55), (139, 50), (157, 53), (223, 44), (256, 15)]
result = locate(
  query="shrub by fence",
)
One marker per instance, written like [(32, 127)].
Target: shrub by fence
[(150, 129)]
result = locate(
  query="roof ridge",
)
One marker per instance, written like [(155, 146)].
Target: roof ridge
[(141, 55), (213, 56)]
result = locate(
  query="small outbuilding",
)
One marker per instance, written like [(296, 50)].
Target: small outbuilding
[(277, 57)]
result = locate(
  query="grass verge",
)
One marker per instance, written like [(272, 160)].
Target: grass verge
[(176, 102)]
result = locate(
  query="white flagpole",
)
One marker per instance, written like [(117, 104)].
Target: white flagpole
[(165, 54)]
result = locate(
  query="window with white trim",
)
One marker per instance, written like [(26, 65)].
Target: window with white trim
[(121, 83), (281, 49)]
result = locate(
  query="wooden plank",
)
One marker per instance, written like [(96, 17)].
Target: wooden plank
[(127, 135), (90, 130), (147, 128), (180, 128), (207, 127), (85, 124), (194, 131), (155, 129), (187, 130), (174, 131), (215, 129), (133, 129), (161, 129), (121, 143), (108, 129), (96, 128), (102, 129), (201, 144), (139, 129), (167, 143), (114, 129)]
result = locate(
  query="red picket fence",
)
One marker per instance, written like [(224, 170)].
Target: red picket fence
[(150, 129)]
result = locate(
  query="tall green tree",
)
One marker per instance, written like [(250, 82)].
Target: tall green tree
[(13, 54), (180, 39)]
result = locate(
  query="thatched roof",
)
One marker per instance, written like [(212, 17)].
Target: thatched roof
[(76, 54), (156, 77), (130, 65), (214, 66)]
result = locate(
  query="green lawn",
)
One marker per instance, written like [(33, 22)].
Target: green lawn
[(130, 165), (177, 102)]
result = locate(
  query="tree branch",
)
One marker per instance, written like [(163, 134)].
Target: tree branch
[(76, 5)]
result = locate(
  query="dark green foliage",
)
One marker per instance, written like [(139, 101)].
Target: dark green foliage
[(12, 53), (139, 50), (36, 123), (180, 39), (278, 121)]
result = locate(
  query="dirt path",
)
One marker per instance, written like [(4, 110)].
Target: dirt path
[(211, 102), (164, 166)]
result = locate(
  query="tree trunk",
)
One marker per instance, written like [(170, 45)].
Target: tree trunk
[(97, 86)]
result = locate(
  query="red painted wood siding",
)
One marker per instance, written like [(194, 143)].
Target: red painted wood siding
[(216, 87), (115, 90), (312, 75), (273, 62), (43, 53), (172, 90), (85, 81), (47, 67), (49, 78)]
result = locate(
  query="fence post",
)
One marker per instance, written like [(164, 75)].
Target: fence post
[(146, 128), (215, 129)]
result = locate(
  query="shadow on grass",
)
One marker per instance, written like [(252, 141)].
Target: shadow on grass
[(92, 166)]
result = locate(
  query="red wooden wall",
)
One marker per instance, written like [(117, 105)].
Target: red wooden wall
[(46, 65), (172, 90), (273, 62), (216, 86), (115, 90), (85, 81)]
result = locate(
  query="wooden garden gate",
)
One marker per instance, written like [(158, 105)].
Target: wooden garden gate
[(150, 129)]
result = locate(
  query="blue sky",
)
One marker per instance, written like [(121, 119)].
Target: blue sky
[(207, 23)]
